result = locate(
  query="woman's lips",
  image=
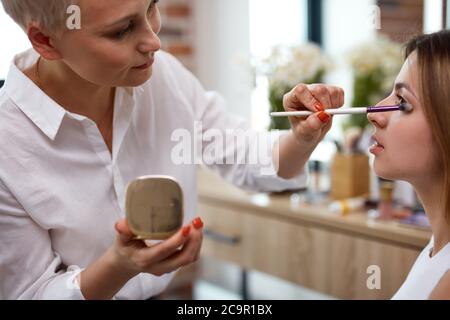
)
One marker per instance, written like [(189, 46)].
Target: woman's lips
[(377, 147), (146, 65)]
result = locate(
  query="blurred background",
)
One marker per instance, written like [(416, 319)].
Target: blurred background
[(252, 52)]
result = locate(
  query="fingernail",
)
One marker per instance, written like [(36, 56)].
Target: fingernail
[(324, 117), (185, 231), (198, 223), (319, 107)]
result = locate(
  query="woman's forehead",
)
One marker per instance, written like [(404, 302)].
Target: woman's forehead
[(106, 12), (408, 73)]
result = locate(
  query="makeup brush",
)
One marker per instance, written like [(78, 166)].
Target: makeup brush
[(405, 107)]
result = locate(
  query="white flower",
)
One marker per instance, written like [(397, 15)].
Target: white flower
[(382, 54), (287, 66)]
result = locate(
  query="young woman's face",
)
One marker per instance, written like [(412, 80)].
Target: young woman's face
[(116, 43), (404, 148)]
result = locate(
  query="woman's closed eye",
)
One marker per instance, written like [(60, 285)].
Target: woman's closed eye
[(122, 33), (131, 26), (400, 100)]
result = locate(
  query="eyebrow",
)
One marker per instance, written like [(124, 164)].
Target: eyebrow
[(126, 18), (402, 85), (121, 20)]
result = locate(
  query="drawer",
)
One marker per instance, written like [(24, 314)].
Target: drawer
[(223, 234), (284, 250), (320, 259)]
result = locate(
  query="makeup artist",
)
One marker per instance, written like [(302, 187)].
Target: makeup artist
[(88, 110)]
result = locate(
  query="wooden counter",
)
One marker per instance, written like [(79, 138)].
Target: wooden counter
[(305, 244)]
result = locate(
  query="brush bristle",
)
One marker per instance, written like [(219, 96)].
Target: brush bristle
[(406, 107)]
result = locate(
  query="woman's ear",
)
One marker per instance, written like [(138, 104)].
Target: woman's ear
[(42, 42)]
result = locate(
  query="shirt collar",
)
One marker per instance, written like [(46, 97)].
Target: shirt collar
[(42, 110)]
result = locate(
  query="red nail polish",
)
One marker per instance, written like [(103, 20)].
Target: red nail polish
[(319, 107), (185, 231), (324, 117), (198, 223)]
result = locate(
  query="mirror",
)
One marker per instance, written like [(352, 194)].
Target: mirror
[(154, 207)]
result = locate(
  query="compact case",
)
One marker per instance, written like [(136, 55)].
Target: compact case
[(154, 207)]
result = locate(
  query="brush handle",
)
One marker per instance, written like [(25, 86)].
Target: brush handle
[(342, 111), (328, 111), (383, 109)]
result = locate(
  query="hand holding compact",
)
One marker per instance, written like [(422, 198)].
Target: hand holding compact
[(135, 256)]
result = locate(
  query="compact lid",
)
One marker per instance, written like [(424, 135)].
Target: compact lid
[(154, 206)]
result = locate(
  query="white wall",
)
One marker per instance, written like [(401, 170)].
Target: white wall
[(347, 23), (222, 39), (282, 24), (432, 16), (14, 41)]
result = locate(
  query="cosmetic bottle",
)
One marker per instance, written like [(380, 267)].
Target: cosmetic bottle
[(385, 205), (346, 206), (316, 171), (316, 192)]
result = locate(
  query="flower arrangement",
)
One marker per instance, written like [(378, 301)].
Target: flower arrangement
[(375, 65), (286, 67)]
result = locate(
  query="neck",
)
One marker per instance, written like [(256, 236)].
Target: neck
[(430, 194), (72, 92)]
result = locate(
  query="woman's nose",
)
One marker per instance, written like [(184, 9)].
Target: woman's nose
[(379, 119), (149, 41)]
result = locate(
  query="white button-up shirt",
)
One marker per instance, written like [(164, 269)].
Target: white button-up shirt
[(61, 190)]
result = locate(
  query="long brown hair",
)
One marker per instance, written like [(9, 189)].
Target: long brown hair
[(433, 60)]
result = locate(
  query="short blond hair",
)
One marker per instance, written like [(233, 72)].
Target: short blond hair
[(50, 14)]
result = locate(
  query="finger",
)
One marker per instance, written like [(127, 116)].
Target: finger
[(124, 230), (164, 249), (188, 254), (198, 225), (337, 96), (334, 96), (194, 245), (322, 94), (300, 98), (312, 126), (197, 253), (317, 121), (341, 97), (327, 126)]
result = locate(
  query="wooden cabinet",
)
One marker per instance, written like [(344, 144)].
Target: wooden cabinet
[(300, 247)]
